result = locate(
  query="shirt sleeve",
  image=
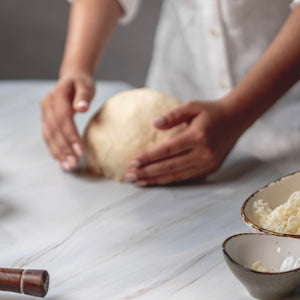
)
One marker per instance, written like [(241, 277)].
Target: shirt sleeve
[(294, 3), (130, 8)]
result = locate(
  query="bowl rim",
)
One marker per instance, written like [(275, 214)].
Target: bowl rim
[(248, 268), (261, 229)]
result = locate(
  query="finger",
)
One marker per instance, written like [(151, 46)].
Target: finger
[(62, 113), (48, 130), (84, 93), (64, 161), (58, 143), (175, 145), (70, 133), (177, 116), (162, 167), (171, 177), (53, 149)]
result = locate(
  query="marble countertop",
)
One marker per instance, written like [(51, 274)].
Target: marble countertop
[(100, 239)]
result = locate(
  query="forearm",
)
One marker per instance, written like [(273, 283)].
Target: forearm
[(272, 76), (91, 24)]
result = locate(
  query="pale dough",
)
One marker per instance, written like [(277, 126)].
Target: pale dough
[(122, 128)]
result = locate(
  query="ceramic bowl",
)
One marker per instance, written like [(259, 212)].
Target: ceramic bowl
[(242, 250), (275, 193)]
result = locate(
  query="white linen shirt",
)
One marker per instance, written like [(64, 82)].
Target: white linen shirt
[(203, 48)]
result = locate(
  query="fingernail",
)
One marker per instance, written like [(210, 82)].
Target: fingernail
[(66, 166), (131, 177), (82, 104), (159, 121), (135, 164), (71, 160), (141, 183), (77, 149)]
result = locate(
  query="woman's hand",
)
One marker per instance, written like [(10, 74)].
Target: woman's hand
[(71, 94), (91, 24), (197, 151)]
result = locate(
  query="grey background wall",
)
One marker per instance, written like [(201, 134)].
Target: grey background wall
[(32, 35)]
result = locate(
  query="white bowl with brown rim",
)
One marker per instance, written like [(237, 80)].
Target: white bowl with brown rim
[(242, 250), (275, 193)]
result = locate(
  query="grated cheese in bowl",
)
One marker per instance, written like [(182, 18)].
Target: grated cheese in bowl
[(284, 219), (288, 264), (260, 266)]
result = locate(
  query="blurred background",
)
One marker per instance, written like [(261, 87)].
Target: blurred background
[(32, 35)]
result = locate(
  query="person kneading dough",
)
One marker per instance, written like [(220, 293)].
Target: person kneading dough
[(123, 127)]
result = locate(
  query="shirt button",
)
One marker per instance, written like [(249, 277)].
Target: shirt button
[(214, 32), (223, 86)]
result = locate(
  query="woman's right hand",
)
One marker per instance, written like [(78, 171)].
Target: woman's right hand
[(71, 94)]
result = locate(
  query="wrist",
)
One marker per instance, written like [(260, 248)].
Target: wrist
[(73, 71), (238, 113)]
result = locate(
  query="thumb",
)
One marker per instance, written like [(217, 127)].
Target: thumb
[(183, 113), (84, 93)]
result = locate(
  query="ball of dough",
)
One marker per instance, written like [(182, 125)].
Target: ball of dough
[(123, 128)]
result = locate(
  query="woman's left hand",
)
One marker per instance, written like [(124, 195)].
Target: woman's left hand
[(195, 152)]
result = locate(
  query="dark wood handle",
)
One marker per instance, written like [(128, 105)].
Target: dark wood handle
[(29, 282)]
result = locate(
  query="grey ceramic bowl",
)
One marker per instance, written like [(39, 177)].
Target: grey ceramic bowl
[(242, 250), (275, 193)]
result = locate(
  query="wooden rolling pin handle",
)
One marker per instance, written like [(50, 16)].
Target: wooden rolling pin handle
[(29, 282)]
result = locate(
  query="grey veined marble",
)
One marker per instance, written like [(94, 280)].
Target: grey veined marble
[(101, 239)]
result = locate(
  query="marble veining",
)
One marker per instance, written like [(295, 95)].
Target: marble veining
[(101, 239)]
